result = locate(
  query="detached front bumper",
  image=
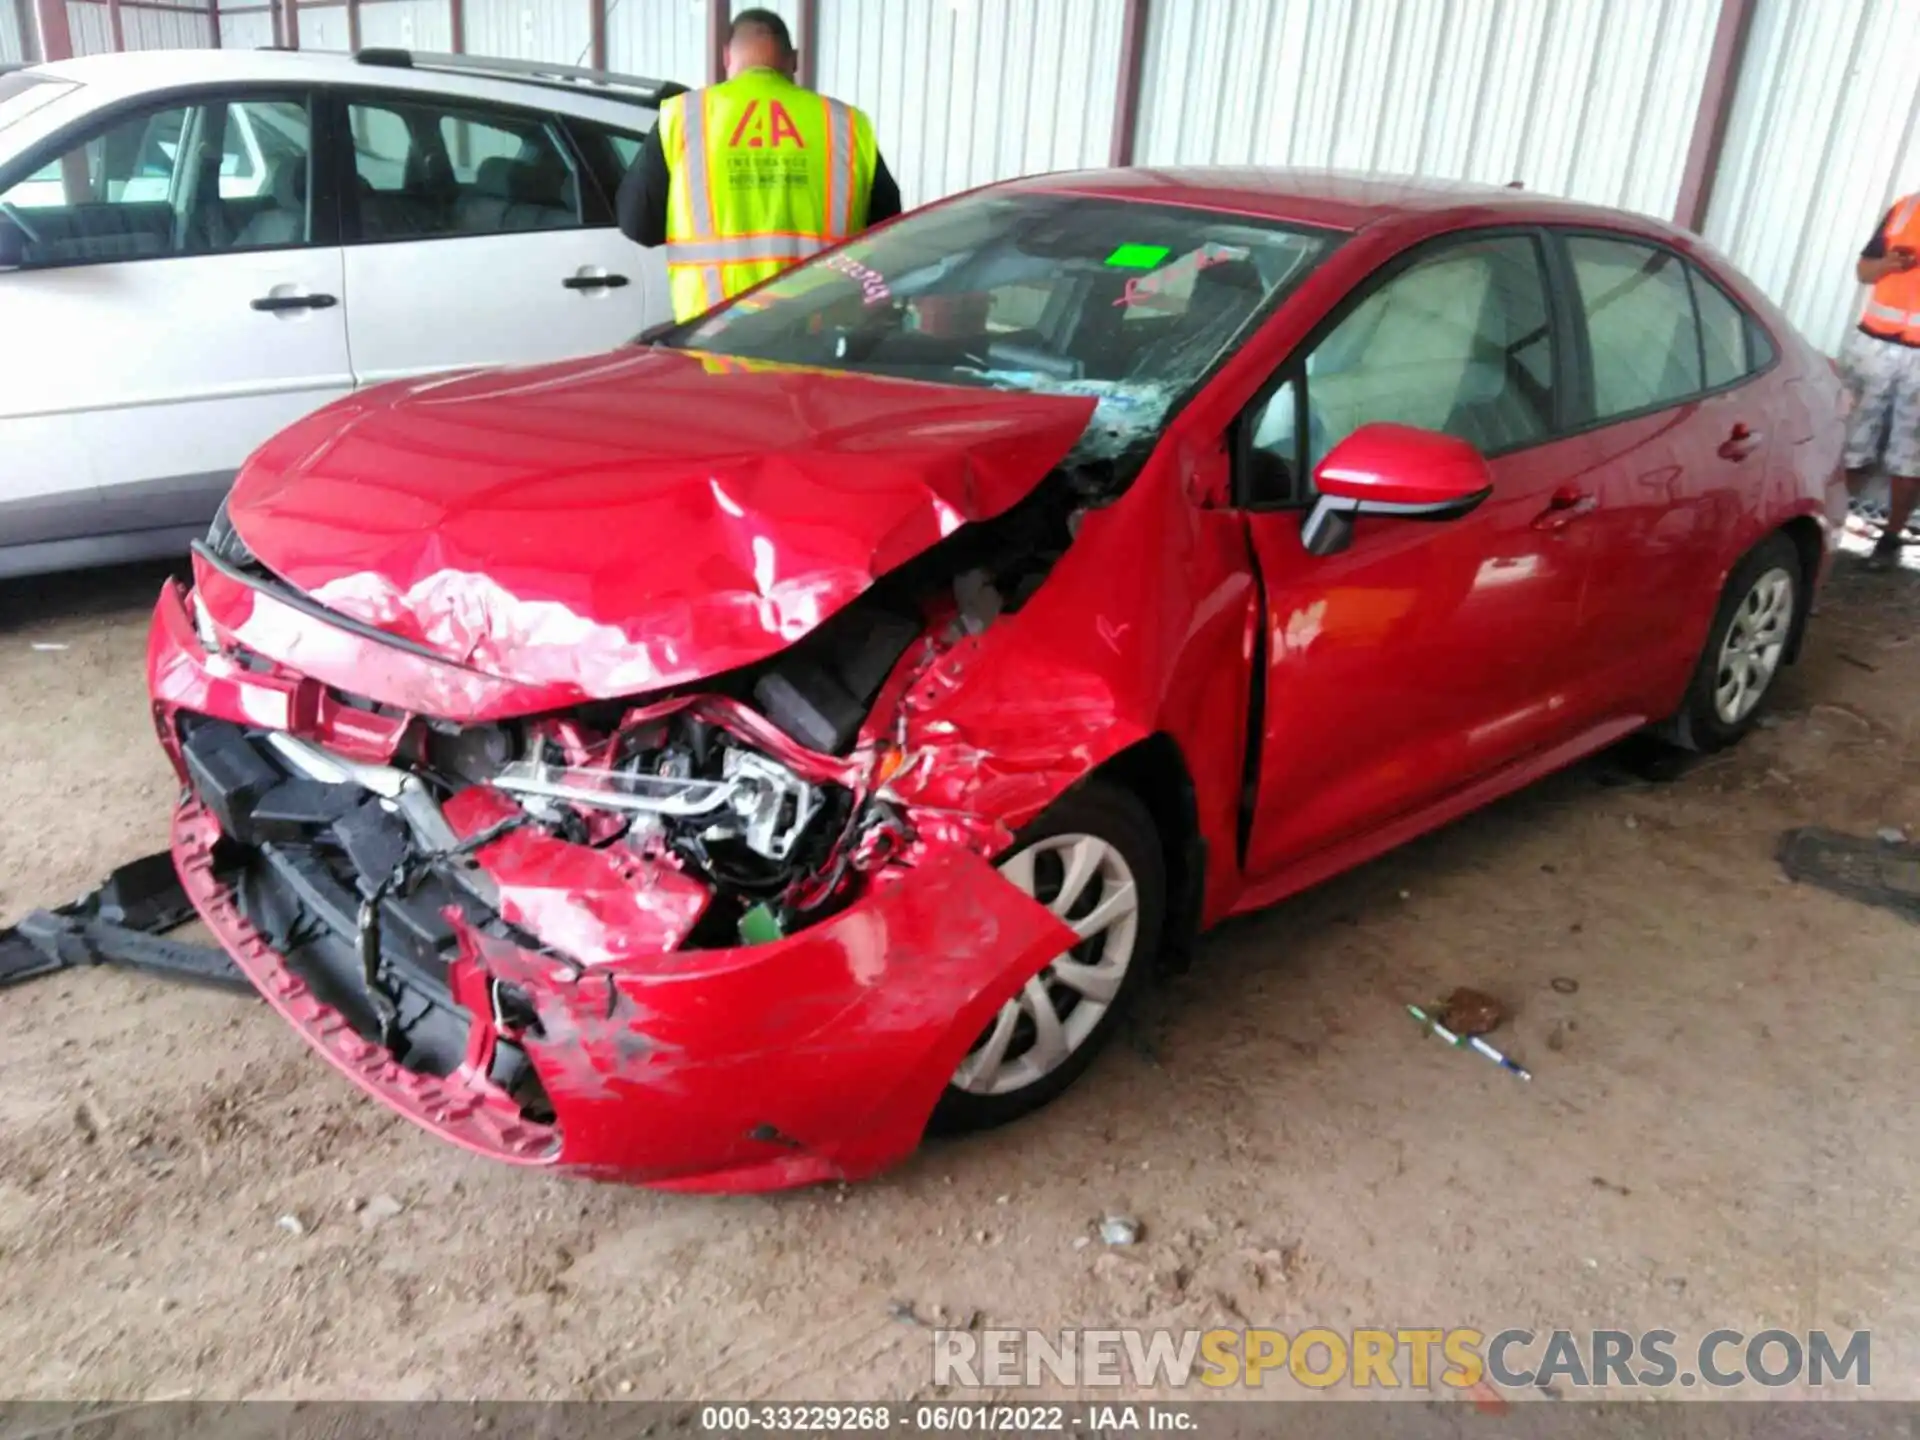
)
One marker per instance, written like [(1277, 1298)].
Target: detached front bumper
[(814, 1057)]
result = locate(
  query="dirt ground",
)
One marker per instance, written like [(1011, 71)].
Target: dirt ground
[(1718, 1132)]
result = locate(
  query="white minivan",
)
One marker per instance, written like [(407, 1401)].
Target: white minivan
[(199, 247)]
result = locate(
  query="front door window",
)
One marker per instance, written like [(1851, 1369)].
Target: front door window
[(196, 179)]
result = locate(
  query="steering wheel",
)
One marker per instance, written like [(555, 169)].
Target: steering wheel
[(12, 212)]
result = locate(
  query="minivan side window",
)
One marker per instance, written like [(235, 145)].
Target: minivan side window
[(1640, 323), (1459, 342), (109, 197), (610, 153), (173, 181), (623, 146), (426, 170)]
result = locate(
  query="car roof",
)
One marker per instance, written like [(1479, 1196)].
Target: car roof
[(1345, 200), (135, 72)]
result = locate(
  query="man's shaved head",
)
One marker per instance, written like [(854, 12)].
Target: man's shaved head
[(760, 40)]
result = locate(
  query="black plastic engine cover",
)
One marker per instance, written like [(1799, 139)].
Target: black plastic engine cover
[(809, 704), (417, 923), (375, 841), (821, 690), (229, 775), (294, 809)]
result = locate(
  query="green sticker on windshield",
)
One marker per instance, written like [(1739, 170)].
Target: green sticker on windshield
[(1138, 257)]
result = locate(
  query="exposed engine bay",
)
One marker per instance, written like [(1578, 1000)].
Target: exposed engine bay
[(703, 782), (681, 790)]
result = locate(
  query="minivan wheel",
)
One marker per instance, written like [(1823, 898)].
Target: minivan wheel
[(1746, 648), (1094, 859)]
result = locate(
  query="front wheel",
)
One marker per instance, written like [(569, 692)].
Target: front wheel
[(1745, 648), (1094, 859)]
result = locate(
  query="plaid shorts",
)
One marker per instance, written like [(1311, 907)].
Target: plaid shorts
[(1885, 427)]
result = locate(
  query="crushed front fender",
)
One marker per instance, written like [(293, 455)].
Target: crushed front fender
[(815, 1057)]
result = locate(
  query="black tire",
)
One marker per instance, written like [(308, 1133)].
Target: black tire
[(1116, 816), (1699, 724)]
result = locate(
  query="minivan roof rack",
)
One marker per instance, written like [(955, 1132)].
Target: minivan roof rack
[(539, 72)]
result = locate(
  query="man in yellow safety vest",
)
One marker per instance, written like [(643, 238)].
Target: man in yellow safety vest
[(745, 178), (1881, 361)]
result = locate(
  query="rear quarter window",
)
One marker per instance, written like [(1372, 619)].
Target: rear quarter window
[(1728, 334), (610, 152)]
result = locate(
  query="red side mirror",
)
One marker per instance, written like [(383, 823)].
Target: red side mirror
[(1397, 465), (1384, 469)]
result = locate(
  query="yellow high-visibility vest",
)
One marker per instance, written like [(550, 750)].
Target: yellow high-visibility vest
[(765, 173)]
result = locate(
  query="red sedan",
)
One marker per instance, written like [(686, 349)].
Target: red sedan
[(711, 763)]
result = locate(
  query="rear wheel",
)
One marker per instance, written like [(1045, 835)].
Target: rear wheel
[(1094, 859), (1746, 647)]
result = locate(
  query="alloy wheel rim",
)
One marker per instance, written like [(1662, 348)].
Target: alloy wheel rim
[(1088, 884), (1750, 654)]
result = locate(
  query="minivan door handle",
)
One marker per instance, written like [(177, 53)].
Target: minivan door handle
[(594, 282), (275, 303)]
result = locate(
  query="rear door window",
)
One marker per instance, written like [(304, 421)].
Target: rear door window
[(382, 146), (1644, 338), (427, 171), (610, 152)]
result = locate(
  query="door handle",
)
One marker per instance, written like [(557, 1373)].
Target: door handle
[(594, 282), (1740, 443), (1568, 504), (273, 303)]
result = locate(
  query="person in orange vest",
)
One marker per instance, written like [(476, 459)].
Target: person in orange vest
[(1881, 362), (745, 178)]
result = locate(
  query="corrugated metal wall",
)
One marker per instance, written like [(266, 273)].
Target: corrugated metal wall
[(246, 32), (143, 28), (1592, 99), (408, 24), (1825, 134), (181, 29), (13, 46), (90, 27), (967, 91), (13, 40), (663, 39), (556, 30), (324, 27)]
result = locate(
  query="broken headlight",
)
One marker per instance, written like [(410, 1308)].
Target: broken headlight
[(756, 801)]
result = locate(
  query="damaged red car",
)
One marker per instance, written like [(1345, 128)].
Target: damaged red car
[(712, 763)]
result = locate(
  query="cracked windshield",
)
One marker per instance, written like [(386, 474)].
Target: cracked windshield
[(1128, 303)]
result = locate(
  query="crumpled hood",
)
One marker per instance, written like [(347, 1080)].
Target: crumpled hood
[(635, 520)]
